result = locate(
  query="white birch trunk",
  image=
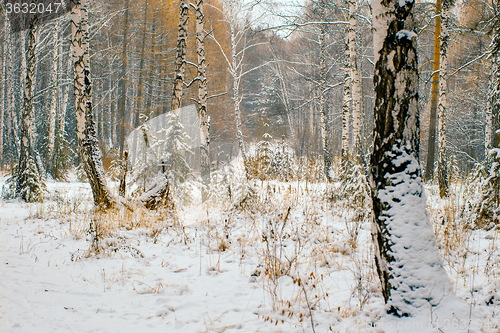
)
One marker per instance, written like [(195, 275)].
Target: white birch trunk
[(8, 109), (3, 71), (322, 103), (346, 100), (53, 94), (442, 101), (27, 151), (407, 258), (355, 81), (202, 96), (180, 60), (90, 154), (237, 98)]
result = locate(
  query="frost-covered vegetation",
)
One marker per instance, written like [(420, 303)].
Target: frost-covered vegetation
[(259, 255)]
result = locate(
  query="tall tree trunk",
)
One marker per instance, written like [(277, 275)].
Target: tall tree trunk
[(124, 81), (443, 104), (8, 109), (90, 154), (27, 156), (356, 83), (53, 95), (202, 97), (488, 209), (431, 146), (140, 87), (3, 71), (180, 60), (152, 66), (346, 100), (327, 159), (406, 254), (236, 85)]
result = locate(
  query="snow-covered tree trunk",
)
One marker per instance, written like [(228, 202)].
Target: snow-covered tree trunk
[(180, 60), (26, 174), (493, 109), (442, 102), (90, 154), (53, 94), (355, 81), (431, 146), (488, 208), (202, 96), (406, 254)]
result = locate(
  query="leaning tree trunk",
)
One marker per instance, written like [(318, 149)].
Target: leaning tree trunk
[(443, 104), (202, 97), (180, 60), (406, 254), (90, 154), (431, 146)]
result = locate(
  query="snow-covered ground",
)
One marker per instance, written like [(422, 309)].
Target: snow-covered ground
[(288, 260)]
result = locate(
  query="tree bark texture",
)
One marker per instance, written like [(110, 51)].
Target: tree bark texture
[(180, 60), (90, 154), (355, 81), (406, 254), (27, 148), (443, 180), (53, 94), (124, 128), (202, 97), (346, 100), (327, 158), (431, 145)]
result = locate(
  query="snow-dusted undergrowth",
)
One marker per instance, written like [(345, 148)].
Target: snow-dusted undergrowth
[(277, 257)]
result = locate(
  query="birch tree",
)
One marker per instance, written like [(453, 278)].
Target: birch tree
[(29, 182), (180, 59), (124, 81), (431, 146), (202, 96), (355, 80), (442, 101), (3, 71), (53, 95), (488, 208), (406, 254), (90, 154)]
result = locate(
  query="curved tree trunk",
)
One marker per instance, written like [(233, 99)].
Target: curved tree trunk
[(406, 254), (90, 154)]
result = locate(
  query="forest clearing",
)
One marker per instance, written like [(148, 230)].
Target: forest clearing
[(249, 166)]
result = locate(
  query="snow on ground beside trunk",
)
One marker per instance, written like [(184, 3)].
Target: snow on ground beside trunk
[(221, 272)]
